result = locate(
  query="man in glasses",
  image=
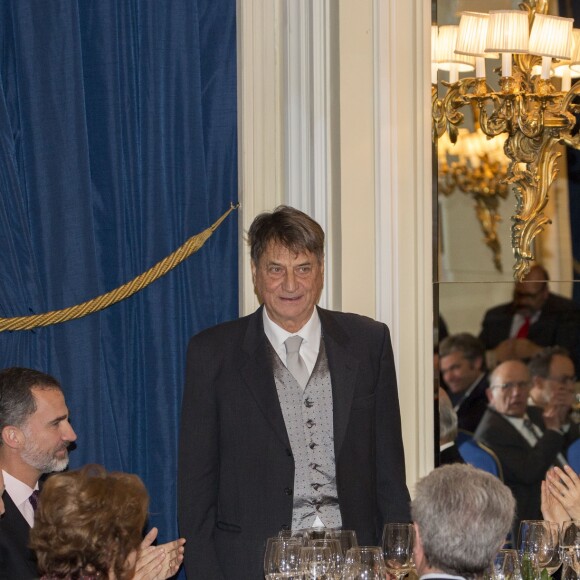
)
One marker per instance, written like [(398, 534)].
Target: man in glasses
[(526, 440), (554, 382), (534, 319)]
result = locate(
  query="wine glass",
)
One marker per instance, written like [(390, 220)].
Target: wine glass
[(506, 566), (537, 545), (570, 550), (347, 539), (398, 541), (364, 563), (553, 540), (316, 563), (335, 552), (281, 555)]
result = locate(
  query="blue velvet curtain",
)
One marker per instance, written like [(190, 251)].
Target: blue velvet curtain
[(117, 143)]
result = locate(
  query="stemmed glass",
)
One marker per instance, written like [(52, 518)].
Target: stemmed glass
[(538, 542), (364, 563), (316, 563), (398, 541), (282, 555), (347, 539), (570, 550), (336, 555), (553, 530), (506, 566)]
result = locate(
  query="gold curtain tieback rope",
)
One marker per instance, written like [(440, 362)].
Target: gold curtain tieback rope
[(143, 280)]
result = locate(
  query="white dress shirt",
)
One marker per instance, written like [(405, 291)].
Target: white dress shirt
[(19, 493), (310, 334)]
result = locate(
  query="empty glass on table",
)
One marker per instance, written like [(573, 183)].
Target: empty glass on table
[(506, 566), (398, 542), (282, 554), (364, 563)]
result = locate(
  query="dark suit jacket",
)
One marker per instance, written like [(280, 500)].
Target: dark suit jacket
[(471, 410), (236, 469), (523, 466), (16, 559), (559, 324), (450, 455)]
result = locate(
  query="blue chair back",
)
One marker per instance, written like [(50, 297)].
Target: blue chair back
[(573, 455), (482, 457)]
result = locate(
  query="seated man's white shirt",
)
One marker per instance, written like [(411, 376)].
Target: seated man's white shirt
[(309, 348), (20, 493)]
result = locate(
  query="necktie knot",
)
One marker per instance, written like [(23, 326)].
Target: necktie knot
[(33, 499), (292, 344)]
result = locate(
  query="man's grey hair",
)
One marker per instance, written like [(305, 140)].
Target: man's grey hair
[(539, 366), (447, 418), (463, 515), (468, 345), (289, 227), (17, 401)]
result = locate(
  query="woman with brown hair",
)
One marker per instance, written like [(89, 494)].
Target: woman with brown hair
[(89, 524)]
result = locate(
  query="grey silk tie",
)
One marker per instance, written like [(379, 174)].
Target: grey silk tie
[(294, 362)]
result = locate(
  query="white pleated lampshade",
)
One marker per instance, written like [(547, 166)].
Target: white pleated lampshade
[(551, 36), (507, 31), (446, 55), (472, 35), (575, 58), (434, 38)]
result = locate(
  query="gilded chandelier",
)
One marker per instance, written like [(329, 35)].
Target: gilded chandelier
[(529, 108), (477, 167)]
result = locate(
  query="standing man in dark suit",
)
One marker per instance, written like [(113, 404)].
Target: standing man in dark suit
[(535, 318), (462, 516), (527, 440), (462, 365), (290, 416), (35, 434)]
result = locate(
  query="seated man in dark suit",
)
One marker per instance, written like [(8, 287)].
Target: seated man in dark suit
[(35, 434), (461, 360), (462, 516), (535, 318), (527, 440)]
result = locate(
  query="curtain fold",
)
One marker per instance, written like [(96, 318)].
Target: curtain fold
[(117, 143)]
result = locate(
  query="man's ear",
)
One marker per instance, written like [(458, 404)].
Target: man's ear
[(489, 395), (418, 551), (12, 437), (478, 363)]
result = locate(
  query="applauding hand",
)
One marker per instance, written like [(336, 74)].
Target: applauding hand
[(158, 562), (564, 486)]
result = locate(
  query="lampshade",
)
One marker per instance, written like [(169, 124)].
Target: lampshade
[(507, 31), (551, 36), (575, 58), (446, 55), (472, 34)]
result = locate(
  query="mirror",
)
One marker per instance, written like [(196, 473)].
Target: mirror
[(468, 281)]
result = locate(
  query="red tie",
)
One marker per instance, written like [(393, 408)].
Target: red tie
[(524, 329)]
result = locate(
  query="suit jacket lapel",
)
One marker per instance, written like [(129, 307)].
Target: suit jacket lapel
[(259, 377), (343, 372)]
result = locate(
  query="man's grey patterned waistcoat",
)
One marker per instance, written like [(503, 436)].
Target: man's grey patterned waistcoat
[(309, 424)]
